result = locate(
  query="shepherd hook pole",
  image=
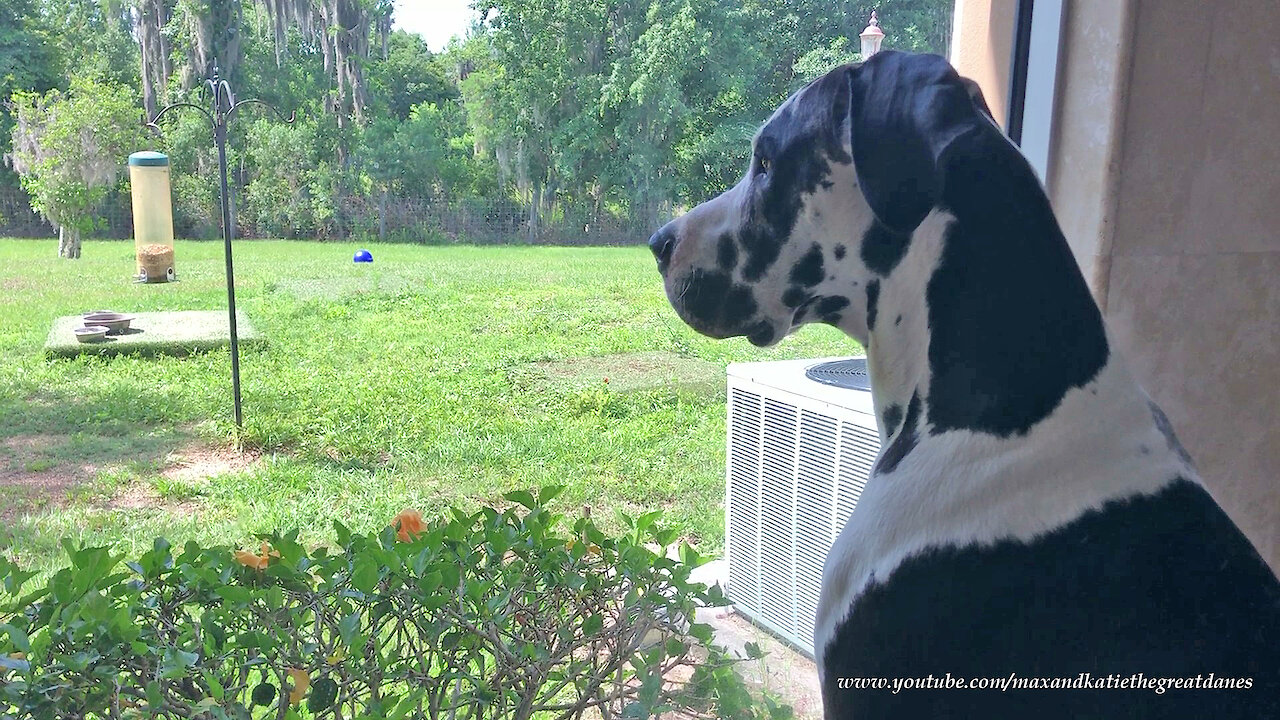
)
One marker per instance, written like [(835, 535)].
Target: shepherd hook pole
[(223, 105)]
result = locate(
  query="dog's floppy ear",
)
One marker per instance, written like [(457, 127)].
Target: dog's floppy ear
[(904, 112)]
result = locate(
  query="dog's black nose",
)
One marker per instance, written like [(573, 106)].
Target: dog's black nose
[(662, 244)]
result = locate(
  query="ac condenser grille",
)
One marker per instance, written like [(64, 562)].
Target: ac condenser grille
[(796, 467), (777, 511), (743, 502), (859, 447), (815, 498)]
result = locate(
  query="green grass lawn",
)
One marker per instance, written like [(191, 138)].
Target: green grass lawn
[(434, 376)]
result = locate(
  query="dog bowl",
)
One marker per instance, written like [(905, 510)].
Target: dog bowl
[(113, 321), (91, 333)]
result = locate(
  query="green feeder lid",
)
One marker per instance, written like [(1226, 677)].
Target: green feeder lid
[(149, 158)]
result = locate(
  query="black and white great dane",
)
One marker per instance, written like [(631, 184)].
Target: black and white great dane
[(1031, 515)]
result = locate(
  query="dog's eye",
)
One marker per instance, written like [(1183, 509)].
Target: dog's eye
[(762, 164)]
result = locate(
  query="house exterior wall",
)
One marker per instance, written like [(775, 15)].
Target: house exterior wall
[(982, 46), (1165, 174), (1193, 286)]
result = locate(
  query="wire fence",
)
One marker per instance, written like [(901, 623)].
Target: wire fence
[(408, 220)]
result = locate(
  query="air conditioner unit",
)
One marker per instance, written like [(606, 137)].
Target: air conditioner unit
[(802, 439)]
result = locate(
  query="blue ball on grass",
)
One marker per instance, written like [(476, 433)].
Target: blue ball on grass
[(363, 255)]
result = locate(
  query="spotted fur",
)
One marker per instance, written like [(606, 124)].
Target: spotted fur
[(1031, 511)]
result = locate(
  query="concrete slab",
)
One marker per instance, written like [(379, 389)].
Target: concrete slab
[(156, 333), (785, 672)]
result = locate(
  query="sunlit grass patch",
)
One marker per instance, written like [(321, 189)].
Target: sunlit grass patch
[(434, 376)]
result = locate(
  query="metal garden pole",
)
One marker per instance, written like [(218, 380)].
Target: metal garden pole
[(223, 105)]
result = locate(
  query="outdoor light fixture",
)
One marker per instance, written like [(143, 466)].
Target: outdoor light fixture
[(871, 37)]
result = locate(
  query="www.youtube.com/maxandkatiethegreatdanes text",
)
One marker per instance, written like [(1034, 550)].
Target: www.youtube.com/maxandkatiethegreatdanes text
[(1083, 681)]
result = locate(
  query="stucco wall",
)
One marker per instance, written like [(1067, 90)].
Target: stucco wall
[(982, 48), (1084, 159), (1193, 287), (1165, 175)]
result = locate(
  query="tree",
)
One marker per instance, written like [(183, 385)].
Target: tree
[(408, 76), (342, 28), (154, 45), (215, 27), (26, 63), (69, 150)]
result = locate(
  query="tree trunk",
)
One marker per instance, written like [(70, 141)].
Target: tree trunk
[(382, 216), (68, 243), (535, 197)]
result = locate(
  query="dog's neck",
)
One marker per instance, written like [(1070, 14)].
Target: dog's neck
[(985, 316), (1003, 411)]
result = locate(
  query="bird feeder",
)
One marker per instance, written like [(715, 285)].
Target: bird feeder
[(152, 216)]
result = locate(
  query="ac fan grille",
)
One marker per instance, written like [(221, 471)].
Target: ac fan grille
[(794, 477)]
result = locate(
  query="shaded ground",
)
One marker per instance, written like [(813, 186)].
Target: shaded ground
[(42, 473)]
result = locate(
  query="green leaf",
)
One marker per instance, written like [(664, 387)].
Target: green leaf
[(690, 557), (666, 536), (593, 624), (18, 637), (364, 574), (323, 692), (430, 582), (215, 687), (549, 493), (154, 698), (524, 497), (342, 533), (263, 694), (675, 647), (348, 626), (701, 632)]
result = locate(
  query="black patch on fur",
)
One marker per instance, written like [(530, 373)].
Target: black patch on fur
[(794, 297), (904, 443), (873, 301), (1166, 429), (832, 304), (808, 270), (839, 252), (1164, 585), (761, 247), (892, 416), (801, 141), (1012, 324), (726, 253), (713, 300), (882, 248), (760, 334)]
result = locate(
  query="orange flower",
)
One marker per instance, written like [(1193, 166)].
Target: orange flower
[(301, 681), (259, 561), (408, 524)]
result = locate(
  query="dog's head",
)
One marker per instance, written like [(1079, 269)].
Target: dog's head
[(840, 176)]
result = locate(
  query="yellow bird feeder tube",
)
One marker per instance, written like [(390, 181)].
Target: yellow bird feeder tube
[(152, 216)]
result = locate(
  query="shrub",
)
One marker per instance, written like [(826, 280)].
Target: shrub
[(511, 613)]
